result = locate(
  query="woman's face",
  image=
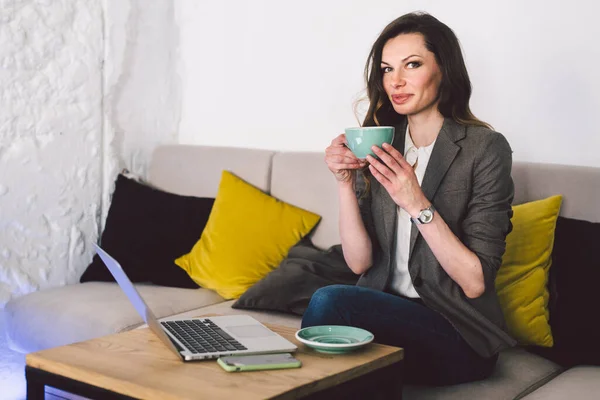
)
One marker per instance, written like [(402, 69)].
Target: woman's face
[(411, 76)]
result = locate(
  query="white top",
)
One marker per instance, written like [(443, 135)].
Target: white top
[(401, 282)]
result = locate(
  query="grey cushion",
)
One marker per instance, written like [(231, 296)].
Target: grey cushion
[(517, 373), (224, 308), (196, 170), (290, 286), (74, 313), (580, 187), (579, 383)]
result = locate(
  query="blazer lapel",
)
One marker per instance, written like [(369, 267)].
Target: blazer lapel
[(444, 152), (388, 206)]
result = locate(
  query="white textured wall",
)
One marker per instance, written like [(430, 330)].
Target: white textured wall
[(283, 75), (142, 86), (143, 99), (67, 126), (50, 140)]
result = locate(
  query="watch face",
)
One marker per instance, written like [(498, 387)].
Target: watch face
[(426, 216)]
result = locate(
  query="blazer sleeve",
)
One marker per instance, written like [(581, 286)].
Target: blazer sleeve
[(364, 196), (489, 212)]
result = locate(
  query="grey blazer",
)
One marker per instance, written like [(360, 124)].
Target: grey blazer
[(468, 180)]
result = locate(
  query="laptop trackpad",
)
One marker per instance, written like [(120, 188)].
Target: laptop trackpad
[(250, 331)]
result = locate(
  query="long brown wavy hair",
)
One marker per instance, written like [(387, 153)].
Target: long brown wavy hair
[(455, 87)]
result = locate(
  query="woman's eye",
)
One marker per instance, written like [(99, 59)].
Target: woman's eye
[(386, 69), (413, 64)]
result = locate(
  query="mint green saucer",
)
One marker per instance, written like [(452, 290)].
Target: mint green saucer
[(334, 339)]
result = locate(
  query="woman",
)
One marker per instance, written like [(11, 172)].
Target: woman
[(427, 231)]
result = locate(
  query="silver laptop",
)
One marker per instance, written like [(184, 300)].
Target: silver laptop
[(202, 338)]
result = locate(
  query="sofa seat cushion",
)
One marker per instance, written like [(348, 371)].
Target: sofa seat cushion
[(73, 313), (517, 373), (582, 382), (224, 308)]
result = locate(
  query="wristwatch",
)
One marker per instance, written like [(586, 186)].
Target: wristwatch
[(425, 216)]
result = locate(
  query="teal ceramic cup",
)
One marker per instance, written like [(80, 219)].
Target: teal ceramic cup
[(360, 140)]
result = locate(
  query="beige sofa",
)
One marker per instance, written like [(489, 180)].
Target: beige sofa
[(82, 311)]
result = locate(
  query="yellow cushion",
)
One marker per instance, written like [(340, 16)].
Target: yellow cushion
[(522, 279), (247, 235)]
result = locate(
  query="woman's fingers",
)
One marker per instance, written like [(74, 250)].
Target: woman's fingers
[(339, 140), (336, 159), (344, 160), (379, 176), (343, 164), (340, 167), (340, 159), (339, 153), (389, 160), (339, 150), (396, 155), (379, 168)]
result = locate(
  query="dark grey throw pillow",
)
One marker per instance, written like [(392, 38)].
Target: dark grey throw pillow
[(290, 287)]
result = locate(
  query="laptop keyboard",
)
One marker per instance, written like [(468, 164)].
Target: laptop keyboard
[(202, 336)]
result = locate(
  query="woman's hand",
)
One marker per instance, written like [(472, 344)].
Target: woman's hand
[(341, 161), (398, 178)]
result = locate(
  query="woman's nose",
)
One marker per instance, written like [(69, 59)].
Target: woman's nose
[(397, 80)]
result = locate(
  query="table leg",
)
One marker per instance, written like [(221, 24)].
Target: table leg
[(35, 386), (38, 379), (385, 384)]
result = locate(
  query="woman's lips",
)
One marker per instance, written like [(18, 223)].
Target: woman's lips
[(401, 98)]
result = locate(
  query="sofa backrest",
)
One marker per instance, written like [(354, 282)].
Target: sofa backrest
[(302, 179), (196, 170), (580, 187)]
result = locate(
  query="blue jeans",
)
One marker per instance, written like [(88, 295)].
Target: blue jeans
[(434, 352)]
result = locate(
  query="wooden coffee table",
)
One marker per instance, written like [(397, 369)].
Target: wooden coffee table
[(135, 364)]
